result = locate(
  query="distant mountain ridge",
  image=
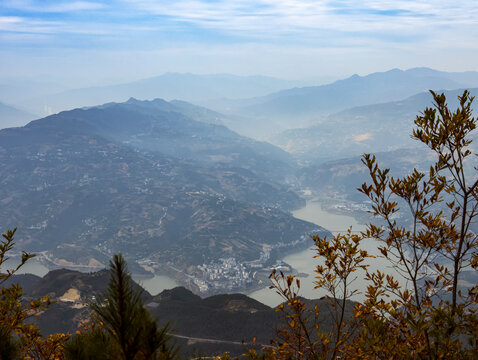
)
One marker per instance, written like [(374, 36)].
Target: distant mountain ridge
[(11, 116), (358, 90), (302, 107), (261, 105), (187, 87)]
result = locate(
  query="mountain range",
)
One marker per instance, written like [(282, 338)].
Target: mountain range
[(170, 184), (144, 179), (258, 106), (363, 129), (187, 87), (306, 106), (355, 91), (174, 188)]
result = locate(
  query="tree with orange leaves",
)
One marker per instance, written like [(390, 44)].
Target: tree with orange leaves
[(432, 317), (18, 337)]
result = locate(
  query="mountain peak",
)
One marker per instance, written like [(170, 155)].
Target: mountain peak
[(179, 293)]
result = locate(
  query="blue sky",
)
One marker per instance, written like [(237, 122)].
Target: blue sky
[(90, 42)]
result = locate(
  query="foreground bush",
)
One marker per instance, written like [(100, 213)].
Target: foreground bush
[(432, 318)]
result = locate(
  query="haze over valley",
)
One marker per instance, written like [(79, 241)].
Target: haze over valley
[(172, 187)]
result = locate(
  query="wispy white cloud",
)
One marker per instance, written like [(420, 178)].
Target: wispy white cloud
[(307, 20), (282, 16), (55, 7), (241, 36), (25, 25), (32, 26)]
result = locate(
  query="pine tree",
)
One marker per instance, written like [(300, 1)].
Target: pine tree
[(126, 330)]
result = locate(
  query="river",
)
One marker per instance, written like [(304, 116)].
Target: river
[(32, 266), (304, 261), (155, 284)]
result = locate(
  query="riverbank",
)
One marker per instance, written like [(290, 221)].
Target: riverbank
[(303, 261)]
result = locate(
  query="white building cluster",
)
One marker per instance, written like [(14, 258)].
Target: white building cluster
[(227, 274)]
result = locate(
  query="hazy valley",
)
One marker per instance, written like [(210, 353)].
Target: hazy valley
[(189, 189), (170, 186)]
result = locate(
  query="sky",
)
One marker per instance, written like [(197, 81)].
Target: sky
[(103, 42)]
